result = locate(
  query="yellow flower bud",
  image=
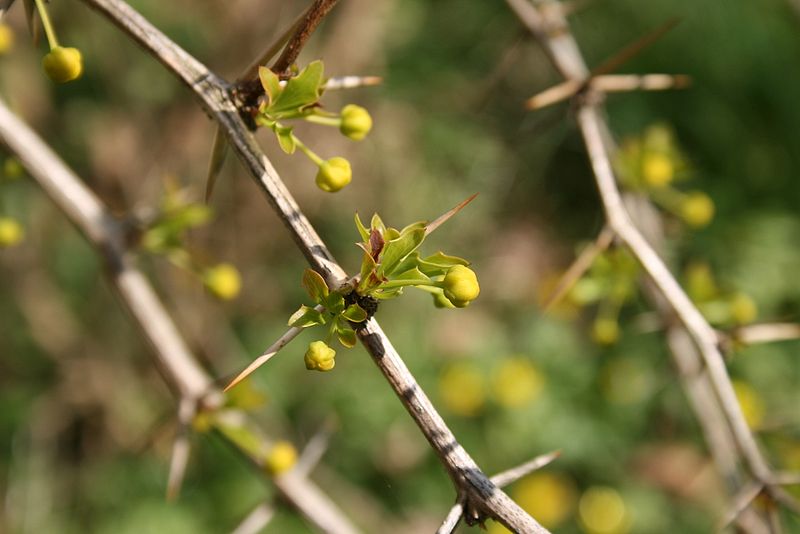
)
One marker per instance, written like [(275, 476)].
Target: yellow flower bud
[(743, 309), (223, 280), (657, 169), (334, 174), (460, 286), (697, 209), (11, 232), (462, 388), (63, 64), (6, 38), (549, 497), (602, 511), (319, 356), (12, 168), (356, 122), (605, 331), (516, 382), (203, 422), (280, 458)]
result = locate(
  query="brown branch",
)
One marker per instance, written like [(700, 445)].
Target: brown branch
[(482, 494), (310, 21), (176, 363)]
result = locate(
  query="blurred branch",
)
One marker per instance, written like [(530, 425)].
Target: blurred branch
[(555, 36), (180, 449), (315, 449), (766, 333), (213, 92), (176, 363), (256, 520)]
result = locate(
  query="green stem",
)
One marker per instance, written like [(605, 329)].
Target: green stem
[(307, 151), (48, 26), (403, 283), (326, 121)]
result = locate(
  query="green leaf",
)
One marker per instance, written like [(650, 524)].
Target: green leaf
[(300, 91), (368, 267), (387, 294), (347, 336), (271, 83), (397, 249), (409, 262), (354, 313), (306, 316), (190, 216), (315, 286), (334, 303), (285, 138), (362, 230), (391, 233), (419, 225), (439, 263), (377, 224)]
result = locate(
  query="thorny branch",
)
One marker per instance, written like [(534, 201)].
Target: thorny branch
[(481, 493), (725, 420), (179, 367)]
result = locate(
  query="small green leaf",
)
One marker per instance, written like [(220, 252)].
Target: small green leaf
[(414, 226), (362, 230), (315, 286), (377, 224), (300, 91), (347, 337), (391, 233), (439, 263), (334, 303), (397, 249), (387, 294), (270, 82), (409, 262), (368, 267), (306, 316), (190, 216), (354, 313), (285, 138)]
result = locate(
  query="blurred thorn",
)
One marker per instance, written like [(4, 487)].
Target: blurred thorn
[(610, 83), (633, 49), (351, 82), (30, 19), (218, 151), (180, 448), (572, 7), (256, 520), (271, 351), (486, 87), (785, 498), (784, 478), (5, 5), (555, 94), (251, 72), (766, 333), (316, 448), (515, 473), (579, 267), (774, 517), (453, 517), (430, 227), (739, 504)]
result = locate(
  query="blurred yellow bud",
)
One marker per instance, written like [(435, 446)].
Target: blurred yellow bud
[(516, 382), (548, 497), (605, 331), (700, 282), (6, 38), (602, 511), (11, 232), (697, 209), (12, 168), (202, 422), (657, 169), (751, 402), (462, 389), (63, 64), (743, 309), (356, 122), (280, 458), (334, 174), (460, 286), (319, 357), (223, 281)]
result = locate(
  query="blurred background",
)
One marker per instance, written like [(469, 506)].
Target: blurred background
[(86, 422)]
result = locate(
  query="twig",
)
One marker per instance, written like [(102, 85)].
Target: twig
[(176, 363), (482, 494), (274, 47), (579, 267), (351, 82), (310, 21), (256, 520), (180, 449), (315, 449), (766, 333)]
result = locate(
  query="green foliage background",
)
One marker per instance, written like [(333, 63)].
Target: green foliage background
[(84, 417)]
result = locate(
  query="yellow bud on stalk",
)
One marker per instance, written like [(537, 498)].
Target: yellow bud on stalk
[(280, 458), (657, 169), (63, 64), (319, 357), (223, 280), (356, 122), (697, 209), (334, 174), (11, 232), (460, 286), (605, 331)]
